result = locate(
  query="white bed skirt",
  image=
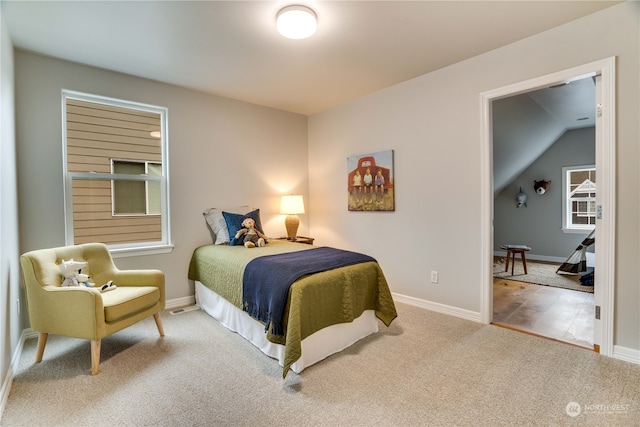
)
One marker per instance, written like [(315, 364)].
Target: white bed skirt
[(315, 347)]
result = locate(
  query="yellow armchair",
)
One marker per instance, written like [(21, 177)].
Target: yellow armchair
[(83, 312)]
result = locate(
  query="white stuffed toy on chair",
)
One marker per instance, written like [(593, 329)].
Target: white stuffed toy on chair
[(72, 272), (73, 276)]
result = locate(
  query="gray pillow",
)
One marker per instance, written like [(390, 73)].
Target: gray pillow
[(218, 226)]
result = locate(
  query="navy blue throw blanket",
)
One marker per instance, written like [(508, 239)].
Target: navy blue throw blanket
[(267, 280)]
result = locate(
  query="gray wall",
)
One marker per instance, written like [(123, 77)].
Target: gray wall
[(539, 225), (221, 153), (433, 123)]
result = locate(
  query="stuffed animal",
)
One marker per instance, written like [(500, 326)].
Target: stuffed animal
[(521, 199), (72, 272), (252, 236), (73, 276), (541, 187)]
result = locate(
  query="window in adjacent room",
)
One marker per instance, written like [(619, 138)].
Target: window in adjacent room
[(116, 180), (579, 198)]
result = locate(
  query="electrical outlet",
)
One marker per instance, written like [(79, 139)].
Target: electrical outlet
[(434, 277)]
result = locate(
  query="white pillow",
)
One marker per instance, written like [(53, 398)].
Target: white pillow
[(218, 226)]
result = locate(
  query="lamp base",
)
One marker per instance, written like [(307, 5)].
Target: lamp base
[(291, 223)]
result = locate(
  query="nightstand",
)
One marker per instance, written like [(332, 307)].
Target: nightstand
[(299, 239)]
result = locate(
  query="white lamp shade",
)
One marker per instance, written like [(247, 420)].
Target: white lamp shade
[(296, 22), (292, 205)]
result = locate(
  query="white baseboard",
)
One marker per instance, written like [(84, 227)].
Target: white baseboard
[(8, 380), (439, 308), (534, 257), (626, 354), (179, 302)]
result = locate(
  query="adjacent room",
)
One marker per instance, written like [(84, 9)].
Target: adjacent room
[(544, 165), (162, 158)]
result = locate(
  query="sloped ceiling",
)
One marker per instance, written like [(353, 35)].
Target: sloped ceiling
[(526, 125), (231, 48)]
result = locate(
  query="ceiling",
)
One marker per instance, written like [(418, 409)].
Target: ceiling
[(231, 48)]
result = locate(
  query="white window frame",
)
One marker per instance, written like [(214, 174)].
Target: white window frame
[(127, 249), (567, 224)]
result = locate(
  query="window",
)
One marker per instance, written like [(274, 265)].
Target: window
[(579, 198), (115, 167)]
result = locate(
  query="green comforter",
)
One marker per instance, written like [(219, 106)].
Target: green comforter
[(315, 301)]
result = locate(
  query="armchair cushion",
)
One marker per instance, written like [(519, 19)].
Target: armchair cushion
[(126, 301)]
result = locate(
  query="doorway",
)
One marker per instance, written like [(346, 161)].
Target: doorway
[(536, 135), (604, 74)]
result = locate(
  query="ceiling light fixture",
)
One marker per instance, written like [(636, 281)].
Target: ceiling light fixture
[(296, 22)]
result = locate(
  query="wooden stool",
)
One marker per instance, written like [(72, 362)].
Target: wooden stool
[(512, 250)]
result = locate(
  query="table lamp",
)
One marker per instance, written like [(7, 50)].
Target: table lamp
[(292, 206)]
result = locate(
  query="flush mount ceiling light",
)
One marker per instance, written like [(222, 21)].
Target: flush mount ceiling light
[(296, 22)]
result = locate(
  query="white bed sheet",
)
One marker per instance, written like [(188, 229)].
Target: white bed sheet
[(315, 347)]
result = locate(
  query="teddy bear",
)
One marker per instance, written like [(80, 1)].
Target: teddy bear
[(541, 187), (73, 276), (252, 236)]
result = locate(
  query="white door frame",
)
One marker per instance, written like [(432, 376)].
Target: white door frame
[(605, 198)]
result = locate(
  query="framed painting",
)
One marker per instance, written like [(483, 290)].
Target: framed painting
[(370, 182)]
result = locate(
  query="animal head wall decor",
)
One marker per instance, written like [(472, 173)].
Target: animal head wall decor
[(521, 199), (541, 187)]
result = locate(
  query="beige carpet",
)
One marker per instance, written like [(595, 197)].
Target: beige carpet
[(427, 369), (540, 274)]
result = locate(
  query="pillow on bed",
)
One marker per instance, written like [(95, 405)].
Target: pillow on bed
[(218, 226), (234, 223)]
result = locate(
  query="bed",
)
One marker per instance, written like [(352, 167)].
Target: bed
[(325, 312)]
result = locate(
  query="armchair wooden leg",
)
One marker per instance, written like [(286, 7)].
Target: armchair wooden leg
[(158, 320), (42, 341), (95, 357)]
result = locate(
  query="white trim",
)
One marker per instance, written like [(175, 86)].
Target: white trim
[(606, 169), (606, 197), (627, 354), (486, 207), (567, 225), (533, 257), (122, 252), (163, 112), (438, 308), (179, 302), (15, 360)]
